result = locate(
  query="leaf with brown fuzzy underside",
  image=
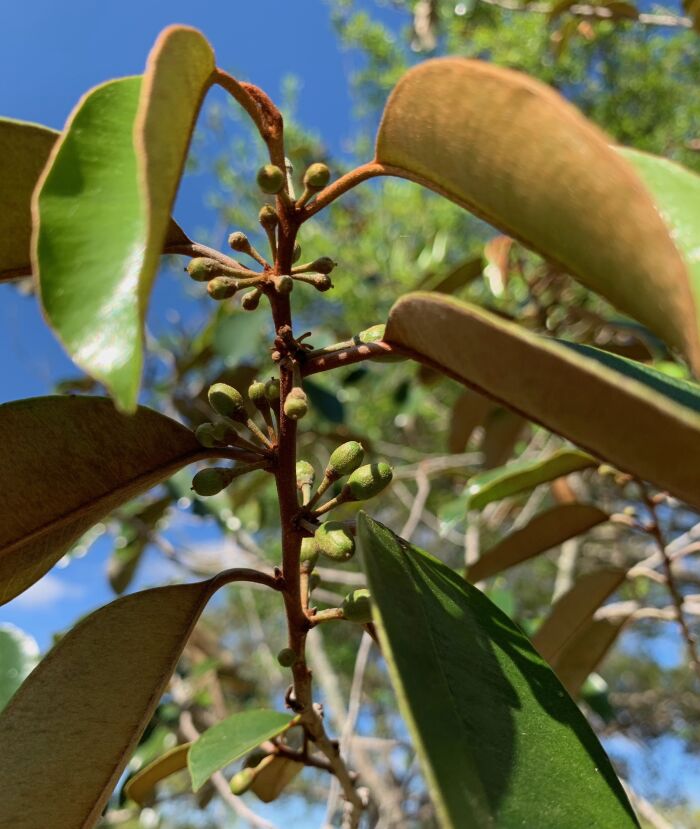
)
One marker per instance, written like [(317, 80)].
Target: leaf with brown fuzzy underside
[(68, 462), (72, 726), (140, 787), (468, 412), (514, 152)]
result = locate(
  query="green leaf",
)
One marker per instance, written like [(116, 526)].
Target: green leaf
[(500, 741), (520, 476), (69, 731), (73, 460), (544, 531), (141, 785), (232, 738), (24, 150), (642, 421), (514, 152), (102, 208), (19, 654)]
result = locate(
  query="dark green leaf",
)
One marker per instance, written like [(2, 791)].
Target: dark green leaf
[(324, 402)]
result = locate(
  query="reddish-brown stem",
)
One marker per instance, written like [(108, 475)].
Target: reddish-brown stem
[(345, 183), (195, 249), (347, 357)]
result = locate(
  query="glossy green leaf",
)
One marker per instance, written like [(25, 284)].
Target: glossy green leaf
[(574, 610), (24, 150), (69, 731), (514, 152), (72, 461), (521, 476), (19, 653), (642, 421), (140, 787), (102, 208), (500, 741), (544, 531), (230, 739)]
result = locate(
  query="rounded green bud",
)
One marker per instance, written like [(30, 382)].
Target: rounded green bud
[(208, 435), (251, 299), (317, 176), (296, 405), (323, 265), (211, 481), (305, 474), (334, 541), (286, 657), (239, 241), (202, 269), (227, 401), (272, 390), (283, 284), (270, 179), (296, 253), (254, 758), (314, 581), (222, 287), (268, 217), (357, 606), (256, 393), (345, 459), (309, 552), (369, 480), (242, 781)]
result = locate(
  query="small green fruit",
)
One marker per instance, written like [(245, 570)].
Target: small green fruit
[(323, 265), (283, 284), (251, 300), (268, 217), (345, 459), (211, 481), (256, 393), (305, 474), (334, 541), (309, 552), (357, 606), (222, 287), (286, 657), (270, 179), (369, 480), (202, 269), (296, 405), (242, 781), (296, 253), (239, 241), (317, 176), (272, 390), (227, 401), (208, 435)]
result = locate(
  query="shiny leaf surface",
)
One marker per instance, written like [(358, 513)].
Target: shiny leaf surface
[(501, 743)]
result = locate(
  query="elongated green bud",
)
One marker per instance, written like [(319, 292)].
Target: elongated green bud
[(270, 179), (242, 781), (286, 657), (317, 176), (210, 435), (345, 459), (222, 287), (321, 281), (296, 404), (239, 241), (296, 253), (251, 300), (309, 553), (211, 481), (202, 269), (227, 401), (334, 541), (272, 390), (305, 474), (369, 480), (268, 217), (357, 606)]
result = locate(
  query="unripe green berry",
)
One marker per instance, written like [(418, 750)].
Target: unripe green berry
[(309, 553), (227, 401), (323, 265), (345, 459), (334, 541), (305, 474), (357, 606), (317, 176), (296, 252), (268, 217), (272, 390), (202, 269), (222, 287), (286, 657), (211, 481), (283, 284), (251, 300), (369, 480), (270, 179), (208, 435), (242, 781), (296, 404), (256, 393), (239, 241)]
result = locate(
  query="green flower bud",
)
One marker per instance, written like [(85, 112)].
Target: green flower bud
[(296, 405), (320, 281), (211, 481), (270, 179), (314, 581), (309, 552), (242, 781), (305, 474), (268, 217), (283, 284), (345, 459), (369, 480), (209, 435), (317, 176), (251, 300), (222, 287), (202, 269), (296, 253), (272, 390), (227, 401), (256, 393), (334, 541), (323, 265), (239, 241), (357, 606), (286, 657), (375, 334)]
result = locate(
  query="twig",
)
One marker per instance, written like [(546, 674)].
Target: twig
[(414, 516)]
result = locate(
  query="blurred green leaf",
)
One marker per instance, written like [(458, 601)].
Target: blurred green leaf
[(19, 654)]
